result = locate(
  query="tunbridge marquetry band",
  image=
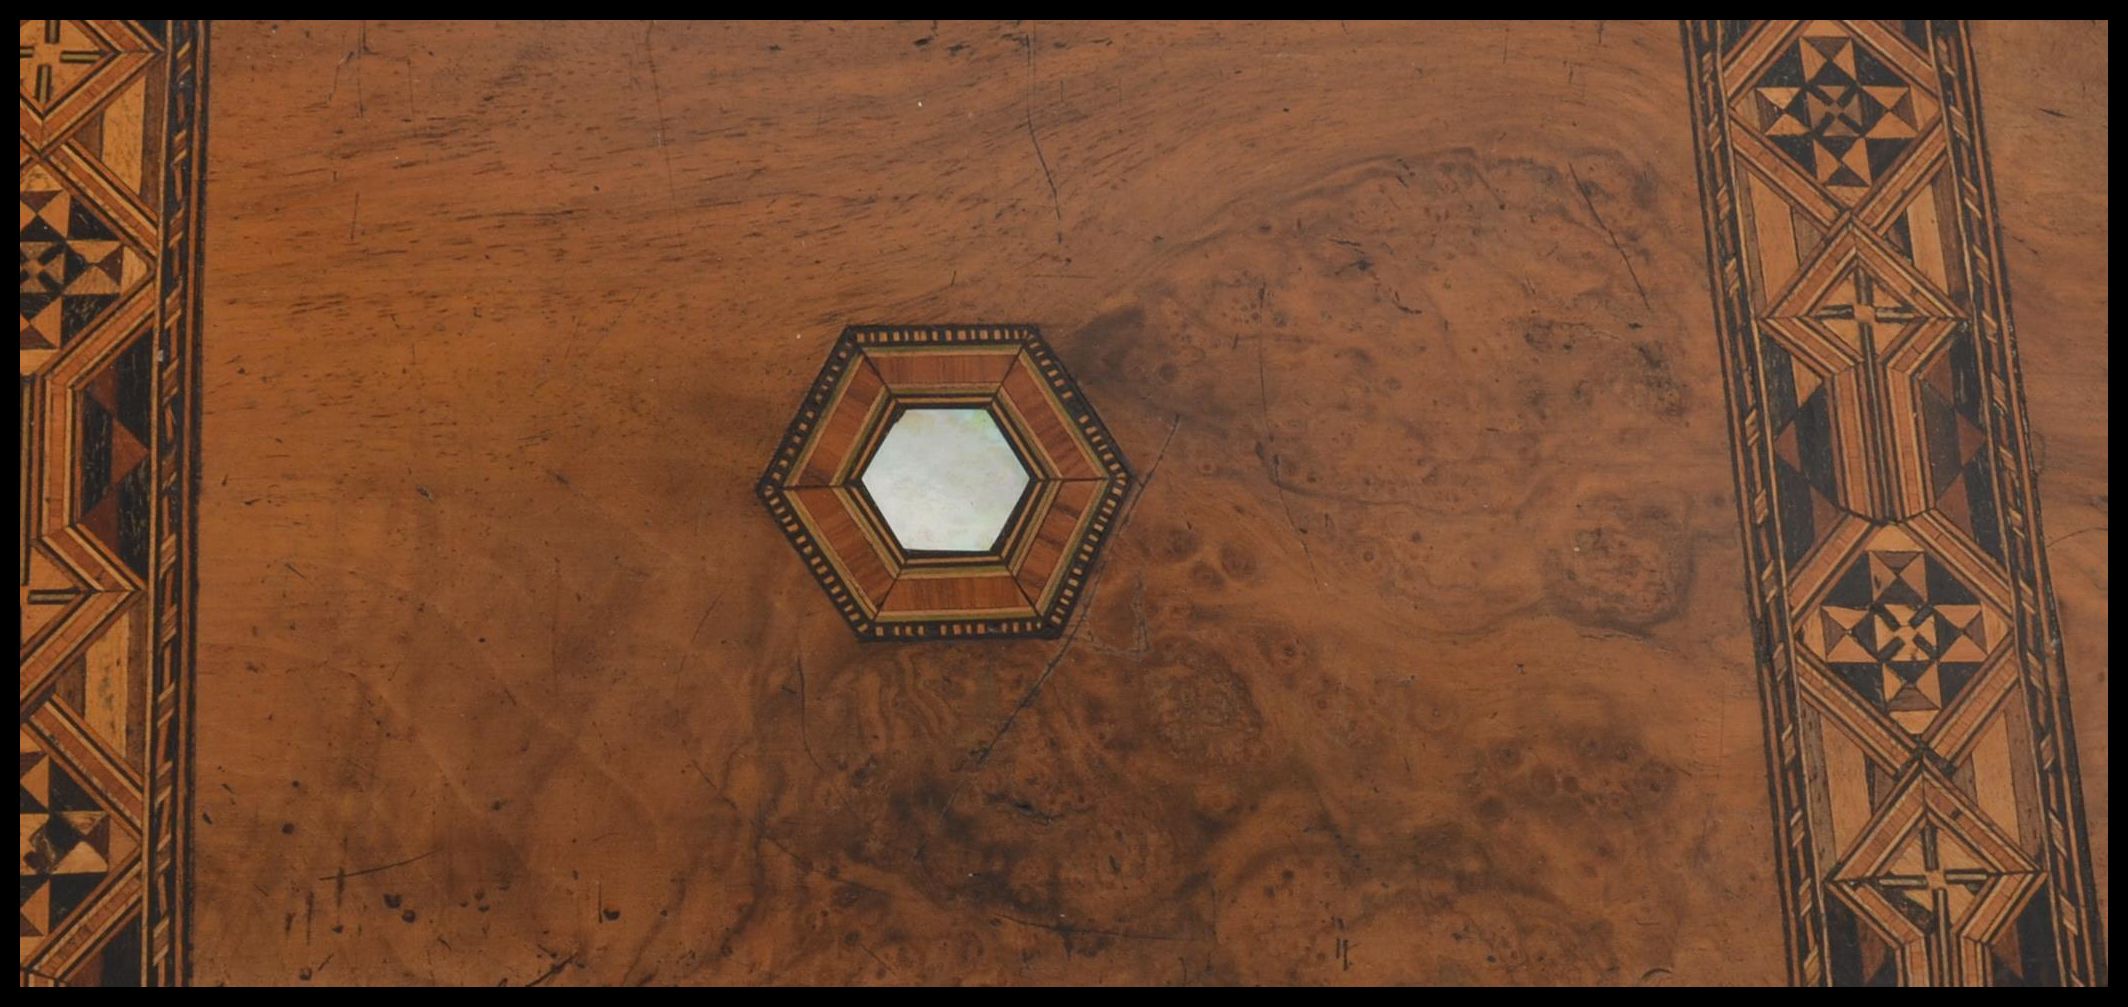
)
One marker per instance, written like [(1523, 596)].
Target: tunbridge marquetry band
[(112, 133), (1922, 774)]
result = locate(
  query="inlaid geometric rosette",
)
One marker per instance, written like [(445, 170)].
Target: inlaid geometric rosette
[(1940, 882), (1027, 583), (1902, 644), (68, 68), (1923, 774), (1840, 113)]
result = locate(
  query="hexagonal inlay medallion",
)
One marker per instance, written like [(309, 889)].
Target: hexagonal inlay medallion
[(947, 481)]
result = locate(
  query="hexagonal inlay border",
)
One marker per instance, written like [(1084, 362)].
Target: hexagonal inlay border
[(1029, 582)]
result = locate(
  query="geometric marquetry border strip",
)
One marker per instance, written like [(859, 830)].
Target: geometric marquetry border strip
[(112, 133), (1923, 778), (1030, 581)]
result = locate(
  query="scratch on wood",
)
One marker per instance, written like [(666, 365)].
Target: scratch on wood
[(343, 874), (657, 99), (1583, 188), (555, 970), (1092, 586), (1056, 201), (1270, 459)]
